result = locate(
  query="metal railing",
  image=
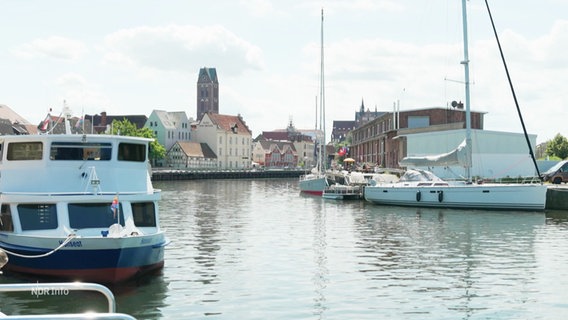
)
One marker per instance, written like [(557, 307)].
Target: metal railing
[(64, 288)]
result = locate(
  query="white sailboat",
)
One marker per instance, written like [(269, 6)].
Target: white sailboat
[(316, 181), (421, 188)]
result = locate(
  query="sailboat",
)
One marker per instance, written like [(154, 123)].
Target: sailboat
[(422, 188), (316, 181)]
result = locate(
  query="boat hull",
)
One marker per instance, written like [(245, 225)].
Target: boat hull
[(102, 260), (494, 197), (313, 185)]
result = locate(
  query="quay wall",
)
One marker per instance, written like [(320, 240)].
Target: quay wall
[(557, 198), (167, 175)]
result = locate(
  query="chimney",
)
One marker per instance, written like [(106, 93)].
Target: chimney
[(103, 119)]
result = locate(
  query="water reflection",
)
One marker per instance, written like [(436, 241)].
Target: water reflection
[(244, 249), (142, 298), (321, 272), (448, 258)]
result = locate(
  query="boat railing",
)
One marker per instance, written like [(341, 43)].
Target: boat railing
[(64, 288), (84, 193)]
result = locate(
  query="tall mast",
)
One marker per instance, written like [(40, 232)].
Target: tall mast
[(322, 102), (465, 63)]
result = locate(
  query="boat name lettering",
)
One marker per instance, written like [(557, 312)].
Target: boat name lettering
[(49, 291), (74, 243)]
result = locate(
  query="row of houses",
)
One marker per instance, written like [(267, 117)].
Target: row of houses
[(374, 139), (215, 141)]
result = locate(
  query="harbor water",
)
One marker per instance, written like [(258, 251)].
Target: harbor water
[(257, 249)]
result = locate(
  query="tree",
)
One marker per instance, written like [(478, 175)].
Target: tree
[(558, 147), (127, 128)]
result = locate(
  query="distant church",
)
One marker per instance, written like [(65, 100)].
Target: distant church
[(207, 92)]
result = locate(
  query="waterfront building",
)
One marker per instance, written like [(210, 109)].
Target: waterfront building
[(495, 154), (303, 144), (341, 128), (13, 123), (275, 154), (228, 136), (191, 155), (100, 123), (169, 127), (386, 140), (378, 142), (207, 92)]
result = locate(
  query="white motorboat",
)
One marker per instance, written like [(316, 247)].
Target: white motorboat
[(79, 207)]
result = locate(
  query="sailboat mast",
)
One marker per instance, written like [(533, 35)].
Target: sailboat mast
[(465, 63), (322, 102), (513, 92)]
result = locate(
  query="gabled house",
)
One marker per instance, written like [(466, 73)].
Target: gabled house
[(228, 136), (275, 154), (303, 143), (191, 155), (169, 127), (14, 123), (101, 123)]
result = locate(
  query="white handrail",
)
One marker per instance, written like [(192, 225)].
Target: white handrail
[(63, 288)]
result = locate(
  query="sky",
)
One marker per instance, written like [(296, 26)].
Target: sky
[(136, 56)]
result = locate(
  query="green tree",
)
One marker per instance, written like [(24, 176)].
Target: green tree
[(558, 147), (127, 128)]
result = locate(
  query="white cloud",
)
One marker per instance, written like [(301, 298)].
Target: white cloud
[(258, 7), (55, 47), (182, 49)]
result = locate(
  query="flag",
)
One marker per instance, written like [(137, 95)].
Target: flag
[(114, 206), (45, 123), (79, 123)]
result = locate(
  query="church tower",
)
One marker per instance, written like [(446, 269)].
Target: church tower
[(207, 92)]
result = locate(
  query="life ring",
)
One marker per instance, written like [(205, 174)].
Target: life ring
[(418, 196), (440, 196)]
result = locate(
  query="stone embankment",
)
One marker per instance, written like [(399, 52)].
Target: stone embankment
[(166, 175)]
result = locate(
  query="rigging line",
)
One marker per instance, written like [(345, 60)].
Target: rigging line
[(69, 238), (513, 91)]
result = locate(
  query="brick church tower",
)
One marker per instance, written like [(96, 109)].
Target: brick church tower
[(207, 92)]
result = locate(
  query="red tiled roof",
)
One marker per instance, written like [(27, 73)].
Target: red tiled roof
[(227, 123)]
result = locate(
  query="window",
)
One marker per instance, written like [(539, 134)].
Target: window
[(418, 121), (25, 151), (37, 216), (6, 219), (80, 151), (132, 152), (93, 215), (144, 214)]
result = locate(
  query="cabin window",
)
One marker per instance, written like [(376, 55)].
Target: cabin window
[(37, 216), (93, 215), (25, 151), (80, 151), (132, 152), (6, 219), (144, 214)]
